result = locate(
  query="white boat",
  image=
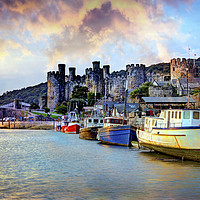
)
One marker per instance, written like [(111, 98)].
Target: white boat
[(91, 125), (175, 132)]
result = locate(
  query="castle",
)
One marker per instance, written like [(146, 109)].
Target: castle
[(97, 79), (113, 85)]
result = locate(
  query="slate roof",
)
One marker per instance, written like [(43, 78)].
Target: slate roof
[(167, 100), (129, 107)]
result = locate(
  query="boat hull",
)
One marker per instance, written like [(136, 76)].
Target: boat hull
[(118, 135), (72, 129), (178, 142), (188, 154), (89, 133)]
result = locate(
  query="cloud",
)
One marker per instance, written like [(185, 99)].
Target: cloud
[(71, 30)]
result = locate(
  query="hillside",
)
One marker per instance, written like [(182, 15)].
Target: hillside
[(28, 95), (161, 67)]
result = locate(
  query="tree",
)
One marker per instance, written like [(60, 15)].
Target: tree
[(46, 110), (80, 92), (90, 98), (62, 109), (142, 91), (77, 103)]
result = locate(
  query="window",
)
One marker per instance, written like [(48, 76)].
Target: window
[(95, 121), (180, 115), (172, 114), (186, 115), (165, 114), (176, 114), (195, 115), (89, 120), (101, 121)]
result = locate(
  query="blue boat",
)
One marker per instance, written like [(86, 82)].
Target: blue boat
[(115, 131)]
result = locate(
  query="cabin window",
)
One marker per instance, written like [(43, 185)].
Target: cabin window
[(105, 120), (146, 122), (195, 115), (112, 121), (89, 120), (172, 114), (95, 121), (179, 115), (186, 115), (176, 114), (121, 122), (165, 114), (101, 121)]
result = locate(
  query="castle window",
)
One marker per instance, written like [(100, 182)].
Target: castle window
[(173, 68)]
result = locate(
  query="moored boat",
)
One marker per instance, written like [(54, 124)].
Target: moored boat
[(91, 125), (69, 124), (175, 132), (117, 132)]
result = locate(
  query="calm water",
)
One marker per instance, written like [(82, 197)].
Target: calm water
[(52, 165)]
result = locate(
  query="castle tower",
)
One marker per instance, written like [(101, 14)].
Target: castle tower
[(106, 71), (72, 73), (56, 87), (135, 76), (96, 66)]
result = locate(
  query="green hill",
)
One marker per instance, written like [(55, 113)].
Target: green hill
[(161, 67), (28, 95)]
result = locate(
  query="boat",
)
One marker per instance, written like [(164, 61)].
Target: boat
[(91, 125), (117, 132), (175, 132), (69, 124)]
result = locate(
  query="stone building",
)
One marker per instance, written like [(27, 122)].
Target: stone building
[(160, 89), (97, 79), (185, 74)]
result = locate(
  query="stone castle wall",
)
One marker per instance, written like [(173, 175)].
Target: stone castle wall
[(60, 86), (180, 68)]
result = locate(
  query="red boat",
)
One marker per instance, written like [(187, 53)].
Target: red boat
[(71, 125), (73, 128)]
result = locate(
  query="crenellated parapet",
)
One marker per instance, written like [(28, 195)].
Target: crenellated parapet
[(135, 76), (56, 86), (180, 68)]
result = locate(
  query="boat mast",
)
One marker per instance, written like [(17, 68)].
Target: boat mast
[(187, 69), (125, 96)]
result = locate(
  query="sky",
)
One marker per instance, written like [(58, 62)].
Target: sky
[(37, 35)]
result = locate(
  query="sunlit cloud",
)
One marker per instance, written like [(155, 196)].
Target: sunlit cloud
[(78, 31)]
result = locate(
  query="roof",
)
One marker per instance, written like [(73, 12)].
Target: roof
[(167, 100), (129, 107)]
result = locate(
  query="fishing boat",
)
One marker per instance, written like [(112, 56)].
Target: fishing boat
[(73, 123), (69, 124), (91, 125), (175, 132), (117, 132)]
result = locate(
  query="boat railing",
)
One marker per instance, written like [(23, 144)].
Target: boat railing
[(169, 125)]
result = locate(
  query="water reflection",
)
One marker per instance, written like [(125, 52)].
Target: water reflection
[(51, 165)]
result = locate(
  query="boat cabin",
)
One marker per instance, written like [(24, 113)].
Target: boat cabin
[(94, 122), (174, 118), (114, 121)]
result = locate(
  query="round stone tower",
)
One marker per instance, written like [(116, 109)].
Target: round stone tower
[(72, 73)]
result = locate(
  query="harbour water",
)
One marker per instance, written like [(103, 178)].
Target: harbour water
[(53, 165)]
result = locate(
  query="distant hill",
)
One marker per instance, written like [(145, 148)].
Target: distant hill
[(161, 67), (28, 95)]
